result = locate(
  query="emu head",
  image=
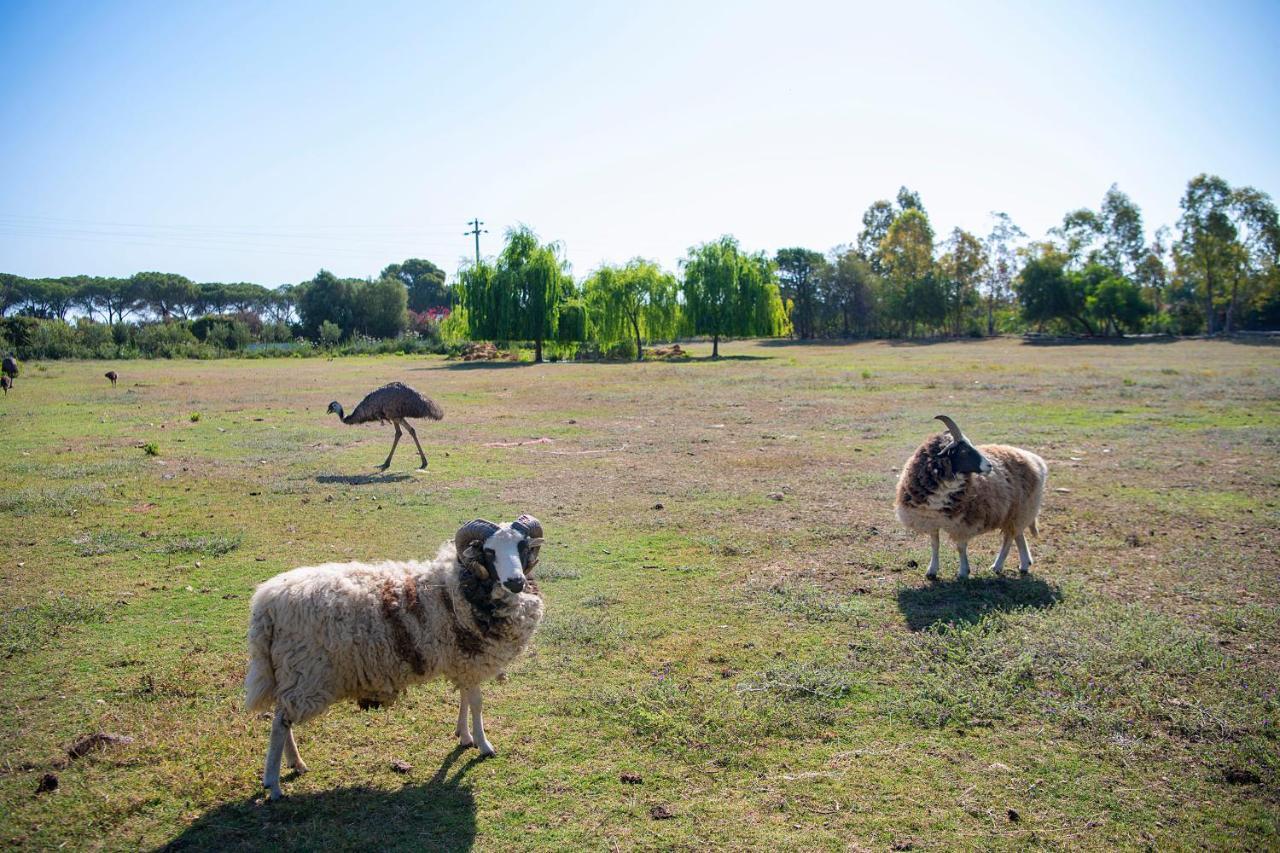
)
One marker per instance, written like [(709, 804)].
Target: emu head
[(964, 457), (502, 554), (335, 408)]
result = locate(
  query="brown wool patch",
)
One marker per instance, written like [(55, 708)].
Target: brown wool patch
[(405, 647), (411, 602), (469, 642)]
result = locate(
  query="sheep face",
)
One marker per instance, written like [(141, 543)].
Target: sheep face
[(965, 458), (505, 555)]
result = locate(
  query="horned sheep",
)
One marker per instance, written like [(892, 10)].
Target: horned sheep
[(950, 485), (366, 631)]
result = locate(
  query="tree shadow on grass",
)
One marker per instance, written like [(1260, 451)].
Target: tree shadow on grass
[(481, 365), (964, 602), (439, 814), (362, 479)]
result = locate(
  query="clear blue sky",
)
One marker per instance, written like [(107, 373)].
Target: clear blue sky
[(261, 141)]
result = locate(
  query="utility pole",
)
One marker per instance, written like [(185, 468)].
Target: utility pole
[(476, 231)]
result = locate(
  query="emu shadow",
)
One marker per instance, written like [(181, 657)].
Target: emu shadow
[(439, 814), (963, 602), (362, 479)]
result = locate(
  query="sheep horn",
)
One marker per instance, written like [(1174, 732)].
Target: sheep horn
[(473, 531), (951, 426), (528, 525)]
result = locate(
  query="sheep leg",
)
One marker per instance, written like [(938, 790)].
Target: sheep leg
[(933, 559), (279, 734), (1024, 554), (998, 565), (414, 435), (477, 722), (963, 549), (385, 465), (291, 756), (464, 736)]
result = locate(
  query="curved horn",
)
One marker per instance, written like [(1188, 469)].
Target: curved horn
[(951, 426), (473, 531), (528, 525)]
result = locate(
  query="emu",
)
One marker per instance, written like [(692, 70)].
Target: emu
[(393, 402), (113, 376)]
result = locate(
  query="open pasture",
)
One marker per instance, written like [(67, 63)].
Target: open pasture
[(741, 650)]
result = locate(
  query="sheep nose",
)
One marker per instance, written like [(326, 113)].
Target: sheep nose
[(515, 584)]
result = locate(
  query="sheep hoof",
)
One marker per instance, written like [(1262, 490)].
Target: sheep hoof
[(300, 767), (273, 793), (465, 741), (487, 751), (1023, 572)]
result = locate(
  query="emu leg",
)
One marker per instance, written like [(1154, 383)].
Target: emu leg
[(385, 465), (464, 736), (933, 560), (477, 722), (291, 756), (998, 565), (414, 435), (963, 549), (275, 748), (1024, 554)]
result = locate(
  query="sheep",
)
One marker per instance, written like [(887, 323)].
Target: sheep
[(950, 485), (361, 631)]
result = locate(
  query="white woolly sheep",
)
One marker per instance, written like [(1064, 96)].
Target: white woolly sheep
[(364, 631), (950, 485)]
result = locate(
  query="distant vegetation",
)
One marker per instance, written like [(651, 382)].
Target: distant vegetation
[(1095, 274)]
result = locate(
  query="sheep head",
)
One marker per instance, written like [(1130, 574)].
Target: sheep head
[(963, 456), (503, 553)]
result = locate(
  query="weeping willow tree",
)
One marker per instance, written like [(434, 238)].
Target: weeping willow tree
[(520, 296), (729, 293), (638, 301)]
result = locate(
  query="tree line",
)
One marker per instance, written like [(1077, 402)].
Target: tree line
[(1094, 274)]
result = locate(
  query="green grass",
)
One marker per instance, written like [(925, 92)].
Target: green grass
[(776, 673)]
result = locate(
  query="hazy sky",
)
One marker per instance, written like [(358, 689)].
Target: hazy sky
[(262, 141)]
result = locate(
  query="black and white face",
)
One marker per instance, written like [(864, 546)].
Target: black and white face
[(504, 555), (965, 459)]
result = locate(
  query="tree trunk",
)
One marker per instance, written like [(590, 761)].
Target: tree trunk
[(537, 351), (715, 345), (991, 314), (1208, 296), (635, 327)]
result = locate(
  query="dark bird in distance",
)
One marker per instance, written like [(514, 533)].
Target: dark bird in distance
[(111, 374), (10, 368), (5, 382), (394, 402)]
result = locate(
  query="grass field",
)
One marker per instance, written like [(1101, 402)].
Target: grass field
[(734, 615)]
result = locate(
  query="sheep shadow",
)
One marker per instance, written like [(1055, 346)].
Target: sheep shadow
[(963, 602), (362, 479), (439, 814)]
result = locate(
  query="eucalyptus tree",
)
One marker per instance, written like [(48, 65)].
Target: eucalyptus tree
[(1258, 248), (799, 273), (907, 255), (1207, 247), (875, 227), (1002, 263), (962, 267), (849, 293), (728, 292), (639, 301)]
